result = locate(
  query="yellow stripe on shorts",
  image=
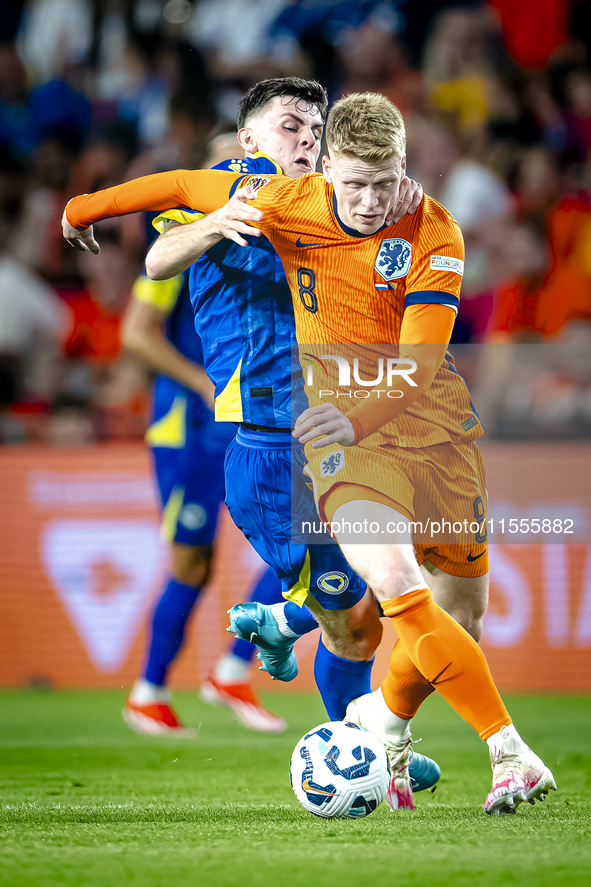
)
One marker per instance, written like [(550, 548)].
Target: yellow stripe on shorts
[(299, 592)]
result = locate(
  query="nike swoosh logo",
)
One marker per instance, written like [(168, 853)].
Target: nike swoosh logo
[(470, 558), (308, 788), (300, 244)]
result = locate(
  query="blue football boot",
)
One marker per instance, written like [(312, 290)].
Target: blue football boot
[(424, 772), (256, 623)]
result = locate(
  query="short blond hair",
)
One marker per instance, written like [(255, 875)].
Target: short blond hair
[(367, 126)]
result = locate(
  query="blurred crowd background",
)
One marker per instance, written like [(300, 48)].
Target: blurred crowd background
[(497, 101)]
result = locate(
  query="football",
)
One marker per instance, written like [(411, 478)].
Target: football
[(340, 771)]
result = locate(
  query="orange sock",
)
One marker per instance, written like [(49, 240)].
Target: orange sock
[(404, 687), (449, 659)]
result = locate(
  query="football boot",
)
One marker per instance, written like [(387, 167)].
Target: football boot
[(519, 775), (155, 719), (245, 704), (256, 623)]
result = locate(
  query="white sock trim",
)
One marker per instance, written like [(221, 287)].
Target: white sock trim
[(414, 588), (145, 693), (278, 611), (393, 725)]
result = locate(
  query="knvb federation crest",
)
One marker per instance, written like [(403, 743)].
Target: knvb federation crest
[(394, 258), (332, 464)]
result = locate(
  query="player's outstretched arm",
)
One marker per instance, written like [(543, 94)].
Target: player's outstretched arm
[(203, 189), (181, 245), (82, 239), (142, 332)]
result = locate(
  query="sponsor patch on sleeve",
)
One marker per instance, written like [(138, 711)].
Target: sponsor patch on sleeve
[(446, 263), (256, 182)]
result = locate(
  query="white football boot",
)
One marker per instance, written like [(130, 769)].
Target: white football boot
[(369, 711), (518, 774)]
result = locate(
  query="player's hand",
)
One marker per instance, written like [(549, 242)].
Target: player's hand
[(230, 221), (324, 419), (409, 199), (80, 238)]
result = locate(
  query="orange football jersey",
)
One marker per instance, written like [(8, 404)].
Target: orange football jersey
[(347, 287), (352, 290)]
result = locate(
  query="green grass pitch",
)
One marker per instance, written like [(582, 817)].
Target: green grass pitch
[(85, 802)]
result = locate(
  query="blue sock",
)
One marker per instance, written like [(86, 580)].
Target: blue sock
[(168, 628), (340, 680), (299, 619), (266, 591)]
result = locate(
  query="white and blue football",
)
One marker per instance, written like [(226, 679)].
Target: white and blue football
[(340, 771)]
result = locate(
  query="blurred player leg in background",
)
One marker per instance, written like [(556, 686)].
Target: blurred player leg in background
[(188, 449), (190, 518)]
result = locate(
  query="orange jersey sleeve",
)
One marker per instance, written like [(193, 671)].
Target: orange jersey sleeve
[(426, 324), (435, 275), (428, 328), (202, 189)]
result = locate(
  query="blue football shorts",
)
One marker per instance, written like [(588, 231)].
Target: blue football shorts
[(267, 495)]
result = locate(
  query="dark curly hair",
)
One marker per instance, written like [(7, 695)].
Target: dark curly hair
[(259, 96)]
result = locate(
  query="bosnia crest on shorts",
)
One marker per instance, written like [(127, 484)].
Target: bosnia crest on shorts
[(333, 583), (394, 258)]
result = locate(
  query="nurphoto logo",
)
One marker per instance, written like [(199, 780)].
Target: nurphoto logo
[(392, 370)]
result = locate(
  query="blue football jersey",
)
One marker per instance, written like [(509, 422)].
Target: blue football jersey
[(244, 317)]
